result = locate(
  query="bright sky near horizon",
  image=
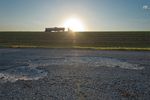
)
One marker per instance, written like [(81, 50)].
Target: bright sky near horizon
[(96, 15)]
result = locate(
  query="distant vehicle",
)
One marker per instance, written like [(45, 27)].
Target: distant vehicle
[(55, 29)]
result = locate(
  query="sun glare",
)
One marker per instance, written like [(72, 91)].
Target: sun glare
[(74, 24)]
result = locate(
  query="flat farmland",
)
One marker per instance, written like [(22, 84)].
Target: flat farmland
[(97, 40)]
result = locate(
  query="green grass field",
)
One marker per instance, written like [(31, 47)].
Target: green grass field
[(92, 40)]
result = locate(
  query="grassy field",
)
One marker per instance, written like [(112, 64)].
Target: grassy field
[(92, 40)]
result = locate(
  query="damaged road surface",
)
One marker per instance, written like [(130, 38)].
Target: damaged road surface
[(74, 74)]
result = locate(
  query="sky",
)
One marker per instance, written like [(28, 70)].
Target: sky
[(96, 15)]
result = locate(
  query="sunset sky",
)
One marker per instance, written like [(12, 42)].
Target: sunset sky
[(95, 15)]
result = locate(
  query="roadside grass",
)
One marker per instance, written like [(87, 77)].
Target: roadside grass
[(115, 48)]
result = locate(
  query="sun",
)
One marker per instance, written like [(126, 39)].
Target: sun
[(74, 24)]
